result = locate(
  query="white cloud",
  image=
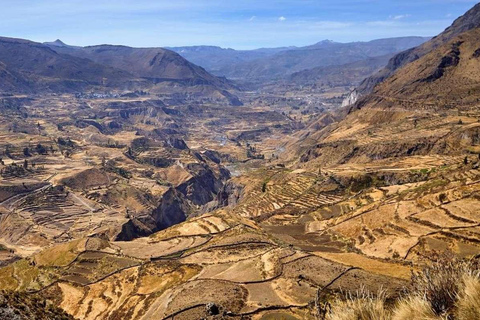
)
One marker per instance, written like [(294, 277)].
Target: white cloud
[(400, 16), (190, 22), (382, 23), (330, 25)]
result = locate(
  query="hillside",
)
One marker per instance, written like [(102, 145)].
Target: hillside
[(144, 206), (468, 21), (34, 66), (12, 81), (30, 67), (350, 74), (155, 64), (417, 110), (446, 77)]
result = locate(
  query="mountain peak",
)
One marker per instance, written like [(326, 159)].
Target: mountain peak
[(324, 42), (470, 20), (57, 43)]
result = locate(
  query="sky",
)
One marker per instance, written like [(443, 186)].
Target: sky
[(238, 24)]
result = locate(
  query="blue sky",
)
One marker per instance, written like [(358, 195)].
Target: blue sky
[(239, 24)]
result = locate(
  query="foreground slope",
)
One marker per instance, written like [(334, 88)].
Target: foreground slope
[(215, 265)]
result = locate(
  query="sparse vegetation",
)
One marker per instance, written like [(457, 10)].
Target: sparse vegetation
[(448, 289), (120, 203), (112, 167), (20, 305), (442, 197), (66, 143), (26, 152), (40, 149), (14, 170)]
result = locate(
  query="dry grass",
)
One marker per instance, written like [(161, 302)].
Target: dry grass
[(414, 307), (360, 306), (441, 283), (468, 305), (449, 289)]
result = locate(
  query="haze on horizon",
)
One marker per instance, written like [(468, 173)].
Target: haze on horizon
[(245, 24)]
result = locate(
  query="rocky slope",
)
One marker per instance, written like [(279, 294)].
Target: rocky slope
[(21, 306), (445, 77), (468, 21), (359, 199)]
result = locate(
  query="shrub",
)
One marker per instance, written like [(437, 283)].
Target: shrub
[(442, 197), (264, 187)]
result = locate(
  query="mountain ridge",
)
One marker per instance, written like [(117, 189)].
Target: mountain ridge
[(151, 63), (29, 66), (268, 64), (470, 20), (46, 69)]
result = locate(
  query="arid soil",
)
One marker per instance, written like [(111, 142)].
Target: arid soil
[(151, 206)]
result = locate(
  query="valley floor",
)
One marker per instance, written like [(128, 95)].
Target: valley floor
[(260, 244)]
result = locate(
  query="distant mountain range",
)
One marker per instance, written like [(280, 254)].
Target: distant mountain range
[(27, 66), (217, 59), (31, 67), (346, 75), (279, 63)]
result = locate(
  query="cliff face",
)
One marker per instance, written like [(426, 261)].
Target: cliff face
[(203, 192), (351, 98), (172, 210), (204, 186)]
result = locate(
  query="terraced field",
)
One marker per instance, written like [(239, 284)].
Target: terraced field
[(287, 191), (149, 206), (286, 231), (198, 267)]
